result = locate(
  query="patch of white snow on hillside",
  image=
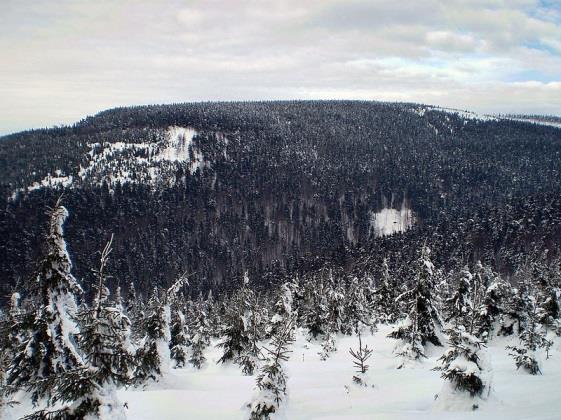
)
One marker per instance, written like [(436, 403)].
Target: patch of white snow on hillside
[(176, 149), (124, 162), (536, 121), (58, 180), (466, 115), (388, 221)]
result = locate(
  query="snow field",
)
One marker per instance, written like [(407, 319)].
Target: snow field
[(324, 389)]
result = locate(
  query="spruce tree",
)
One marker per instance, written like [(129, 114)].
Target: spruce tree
[(496, 293), (463, 364), (252, 318), (271, 383), (242, 329), (199, 338), (548, 293), (360, 357), (153, 354), (90, 390), (459, 305), (179, 336), (385, 294), (49, 348), (315, 310), (532, 339), (328, 346), (105, 343), (12, 325), (212, 319), (357, 312), (336, 306), (423, 319), (282, 310)]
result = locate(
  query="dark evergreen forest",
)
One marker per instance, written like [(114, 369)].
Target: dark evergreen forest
[(285, 188)]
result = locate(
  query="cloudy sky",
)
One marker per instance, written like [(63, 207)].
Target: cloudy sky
[(62, 60)]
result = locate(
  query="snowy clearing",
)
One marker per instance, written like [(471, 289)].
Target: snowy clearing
[(121, 162), (537, 121), (388, 221), (466, 115), (324, 389)]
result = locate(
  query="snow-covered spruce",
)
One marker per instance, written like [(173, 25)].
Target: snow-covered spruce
[(314, 314), (179, 336), (385, 294), (11, 326), (459, 305), (199, 329), (282, 310), (548, 292), (322, 309), (491, 308), (199, 342), (271, 382), (423, 320), (357, 313), (153, 354), (89, 391), (48, 348), (328, 346), (105, 343), (532, 339), (464, 366), (241, 330), (14, 324)]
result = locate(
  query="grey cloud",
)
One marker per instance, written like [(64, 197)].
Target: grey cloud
[(62, 60)]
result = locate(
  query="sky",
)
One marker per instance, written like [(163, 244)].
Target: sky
[(63, 60)]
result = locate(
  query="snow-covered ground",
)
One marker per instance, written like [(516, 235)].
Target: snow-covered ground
[(388, 221), (536, 121), (122, 162), (324, 389), (466, 115)]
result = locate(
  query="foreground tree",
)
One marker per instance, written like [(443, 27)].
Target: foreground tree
[(360, 357), (490, 305), (459, 305), (272, 378), (153, 354), (179, 336), (283, 310), (532, 339), (423, 320), (385, 294), (48, 349), (464, 366), (90, 390), (199, 339), (242, 330)]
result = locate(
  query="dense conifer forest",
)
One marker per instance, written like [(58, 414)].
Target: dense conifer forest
[(279, 187)]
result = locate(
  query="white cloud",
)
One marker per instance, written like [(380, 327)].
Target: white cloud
[(62, 60)]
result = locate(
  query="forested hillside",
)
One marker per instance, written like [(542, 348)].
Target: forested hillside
[(216, 189)]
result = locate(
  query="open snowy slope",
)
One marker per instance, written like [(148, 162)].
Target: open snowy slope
[(324, 389)]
